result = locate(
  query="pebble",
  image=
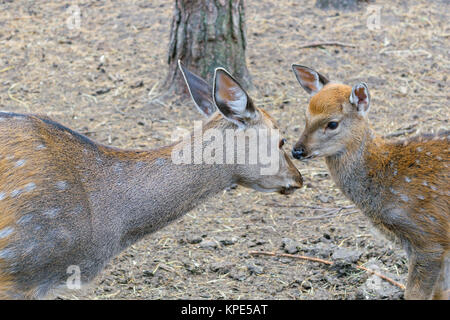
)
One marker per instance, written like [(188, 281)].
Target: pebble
[(222, 267), (208, 244), (289, 245)]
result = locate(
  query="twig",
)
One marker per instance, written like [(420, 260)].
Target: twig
[(400, 133), (15, 99), (6, 69), (326, 43), (326, 215), (277, 205), (274, 254), (331, 211), (395, 283)]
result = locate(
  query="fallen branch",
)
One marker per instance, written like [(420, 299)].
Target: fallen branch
[(326, 43), (274, 254), (395, 283), (327, 215)]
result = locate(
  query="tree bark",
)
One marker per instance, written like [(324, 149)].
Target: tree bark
[(206, 34)]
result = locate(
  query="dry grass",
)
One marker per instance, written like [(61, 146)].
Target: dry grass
[(90, 79)]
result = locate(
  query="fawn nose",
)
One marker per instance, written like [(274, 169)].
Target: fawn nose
[(299, 152)]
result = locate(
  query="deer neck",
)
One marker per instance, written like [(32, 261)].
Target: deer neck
[(355, 171), (137, 194)]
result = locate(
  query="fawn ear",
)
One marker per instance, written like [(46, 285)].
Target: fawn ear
[(231, 100), (200, 91), (360, 98), (310, 80)]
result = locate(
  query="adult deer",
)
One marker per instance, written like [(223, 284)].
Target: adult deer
[(66, 200), (403, 187)]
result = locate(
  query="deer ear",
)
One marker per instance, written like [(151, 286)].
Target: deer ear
[(200, 91), (310, 80), (360, 98), (231, 100)]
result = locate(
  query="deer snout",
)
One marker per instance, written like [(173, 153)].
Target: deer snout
[(299, 152), (298, 182), (296, 179)]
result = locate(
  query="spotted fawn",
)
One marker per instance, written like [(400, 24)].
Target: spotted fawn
[(66, 200), (401, 186)]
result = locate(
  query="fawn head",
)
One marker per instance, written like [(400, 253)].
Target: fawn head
[(251, 131), (336, 117)]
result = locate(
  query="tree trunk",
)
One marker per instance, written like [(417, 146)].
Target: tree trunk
[(206, 34)]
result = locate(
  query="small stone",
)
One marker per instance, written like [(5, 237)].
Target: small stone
[(346, 255), (137, 84), (227, 241), (193, 267), (324, 198), (289, 245), (237, 275), (193, 239), (221, 267), (102, 91), (320, 250), (205, 244), (306, 285), (147, 273), (254, 269)]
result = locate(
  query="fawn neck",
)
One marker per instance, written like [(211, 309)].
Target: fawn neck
[(352, 171)]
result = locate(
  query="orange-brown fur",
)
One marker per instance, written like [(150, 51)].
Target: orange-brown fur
[(330, 100), (417, 160)]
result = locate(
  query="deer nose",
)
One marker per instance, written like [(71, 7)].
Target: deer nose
[(299, 152)]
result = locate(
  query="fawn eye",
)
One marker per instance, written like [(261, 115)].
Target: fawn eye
[(332, 125), (282, 142)]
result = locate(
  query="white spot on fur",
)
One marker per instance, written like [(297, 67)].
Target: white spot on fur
[(30, 187), (15, 193), (20, 162), (418, 161), (2, 195), (419, 149), (425, 183), (395, 172), (160, 161), (439, 158), (61, 185), (393, 191), (6, 254), (51, 212), (139, 165), (421, 197), (25, 219), (40, 147), (6, 232), (407, 179), (433, 188), (404, 197)]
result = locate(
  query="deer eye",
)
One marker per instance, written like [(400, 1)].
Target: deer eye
[(332, 125), (282, 142)]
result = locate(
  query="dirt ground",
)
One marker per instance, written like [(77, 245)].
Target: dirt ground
[(104, 80)]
